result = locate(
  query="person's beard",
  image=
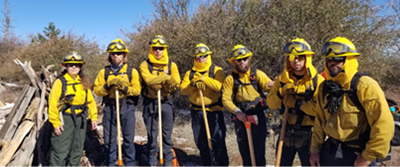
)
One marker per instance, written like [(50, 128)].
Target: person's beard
[(242, 70)]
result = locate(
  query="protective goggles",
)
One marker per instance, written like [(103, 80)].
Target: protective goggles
[(298, 46), (72, 57), (117, 45), (336, 48), (156, 40), (298, 57), (240, 52), (201, 49), (336, 59)]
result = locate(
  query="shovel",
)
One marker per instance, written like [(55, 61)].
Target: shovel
[(207, 129)]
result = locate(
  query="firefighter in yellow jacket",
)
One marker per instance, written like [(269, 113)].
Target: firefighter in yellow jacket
[(70, 103), (296, 88), (243, 95), (357, 134), (208, 78), (159, 73), (124, 78)]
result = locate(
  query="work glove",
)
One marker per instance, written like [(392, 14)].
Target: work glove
[(112, 82), (164, 78), (290, 101), (170, 85), (156, 87), (200, 85), (287, 89), (195, 80), (122, 83)]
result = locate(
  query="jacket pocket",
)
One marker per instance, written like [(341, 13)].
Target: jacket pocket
[(349, 117)]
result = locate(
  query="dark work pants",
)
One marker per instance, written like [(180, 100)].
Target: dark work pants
[(259, 134), (289, 152), (127, 118), (329, 155), (150, 117), (67, 149), (217, 129)]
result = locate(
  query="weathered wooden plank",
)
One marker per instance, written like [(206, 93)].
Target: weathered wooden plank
[(10, 116), (9, 150), (16, 120), (25, 151), (31, 112)]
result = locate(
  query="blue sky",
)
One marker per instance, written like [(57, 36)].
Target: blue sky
[(102, 19)]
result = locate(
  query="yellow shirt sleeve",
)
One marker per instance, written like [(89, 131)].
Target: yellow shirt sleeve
[(100, 85), (186, 88), (308, 106), (215, 84), (54, 97), (227, 95), (379, 118), (273, 100), (318, 136), (92, 106), (175, 75), (148, 77), (135, 87), (262, 80)]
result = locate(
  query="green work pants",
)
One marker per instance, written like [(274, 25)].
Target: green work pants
[(67, 148)]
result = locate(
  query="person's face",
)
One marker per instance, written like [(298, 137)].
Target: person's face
[(73, 69), (158, 51), (242, 65), (298, 63), (117, 58), (201, 59), (334, 65)]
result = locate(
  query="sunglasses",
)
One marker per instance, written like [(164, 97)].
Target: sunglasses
[(299, 47), (298, 57), (201, 57), (156, 40), (201, 49), (336, 59), (116, 53), (243, 59), (74, 64), (336, 48), (240, 51), (117, 45), (158, 48)]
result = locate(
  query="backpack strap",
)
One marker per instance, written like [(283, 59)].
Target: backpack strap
[(211, 71), (129, 72), (63, 86), (253, 81), (107, 70), (151, 69), (353, 89)]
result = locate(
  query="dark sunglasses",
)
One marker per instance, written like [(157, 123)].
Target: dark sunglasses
[(158, 48), (201, 57), (298, 57), (73, 64), (244, 59), (116, 53), (336, 59)]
